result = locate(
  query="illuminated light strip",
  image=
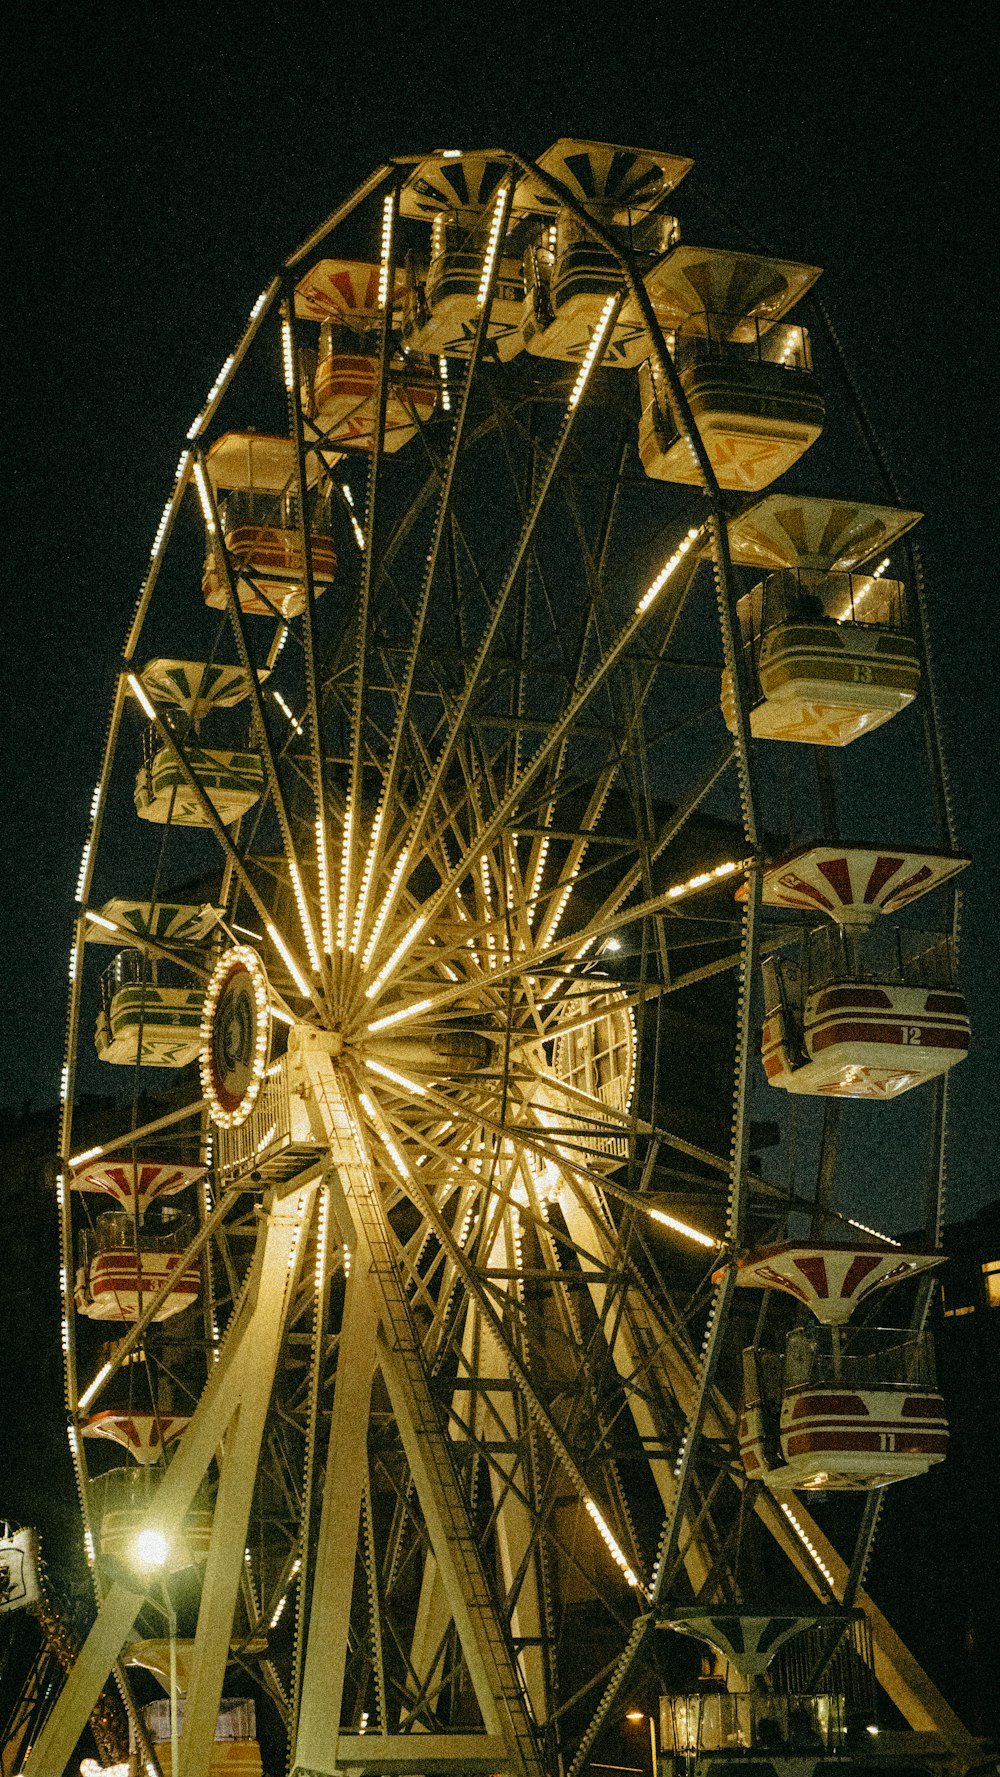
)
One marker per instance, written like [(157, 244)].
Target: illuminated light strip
[(88, 1543), (64, 1081), (247, 933), (259, 304), (207, 1206), (667, 569), (205, 497), (98, 1382), (552, 925), (138, 692), (287, 356), (287, 958), (196, 424), (876, 1231), (283, 707), (388, 1073), (345, 852), (484, 872), (385, 1138), (400, 866), (491, 246), (397, 1017), (807, 1544), (320, 1273), (293, 1251), (445, 391), (348, 496), (537, 876), (401, 948), (161, 529), (81, 881), (383, 276), (616, 1553), (98, 919), (359, 535), (282, 639), (324, 885), (276, 1619), (88, 1154), (366, 878), (300, 898), (517, 1234), (590, 356), (695, 1234), (705, 877)]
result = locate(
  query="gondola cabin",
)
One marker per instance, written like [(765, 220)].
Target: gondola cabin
[(123, 1504), (150, 1013), (122, 1265), (465, 198), (20, 1579), (842, 1407), (778, 1693), (828, 648), (869, 1010), (842, 1411), (257, 491), (746, 372), (236, 1751), (574, 283), (231, 780), (342, 399), (863, 1019)]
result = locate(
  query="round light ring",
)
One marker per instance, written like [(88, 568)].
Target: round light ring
[(235, 1035)]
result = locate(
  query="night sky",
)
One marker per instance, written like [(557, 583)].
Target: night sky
[(158, 172)]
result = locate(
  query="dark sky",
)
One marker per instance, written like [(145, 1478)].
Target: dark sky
[(163, 160)]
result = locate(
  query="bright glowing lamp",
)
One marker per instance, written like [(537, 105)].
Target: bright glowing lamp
[(150, 1549)]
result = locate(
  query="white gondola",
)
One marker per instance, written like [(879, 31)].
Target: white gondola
[(463, 197), (232, 780), (342, 398), (122, 1265), (826, 638), (746, 372), (123, 1504), (20, 1584), (256, 481), (236, 1752), (866, 1013), (147, 1016), (570, 275), (841, 1408)]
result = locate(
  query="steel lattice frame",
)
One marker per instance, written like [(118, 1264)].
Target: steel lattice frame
[(477, 1408)]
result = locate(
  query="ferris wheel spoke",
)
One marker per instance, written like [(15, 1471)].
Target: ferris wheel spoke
[(390, 774), (490, 629)]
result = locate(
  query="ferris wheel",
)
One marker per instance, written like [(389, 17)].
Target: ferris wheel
[(474, 794)]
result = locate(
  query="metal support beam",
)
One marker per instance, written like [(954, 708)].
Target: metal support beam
[(112, 1627), (236, 1487)]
